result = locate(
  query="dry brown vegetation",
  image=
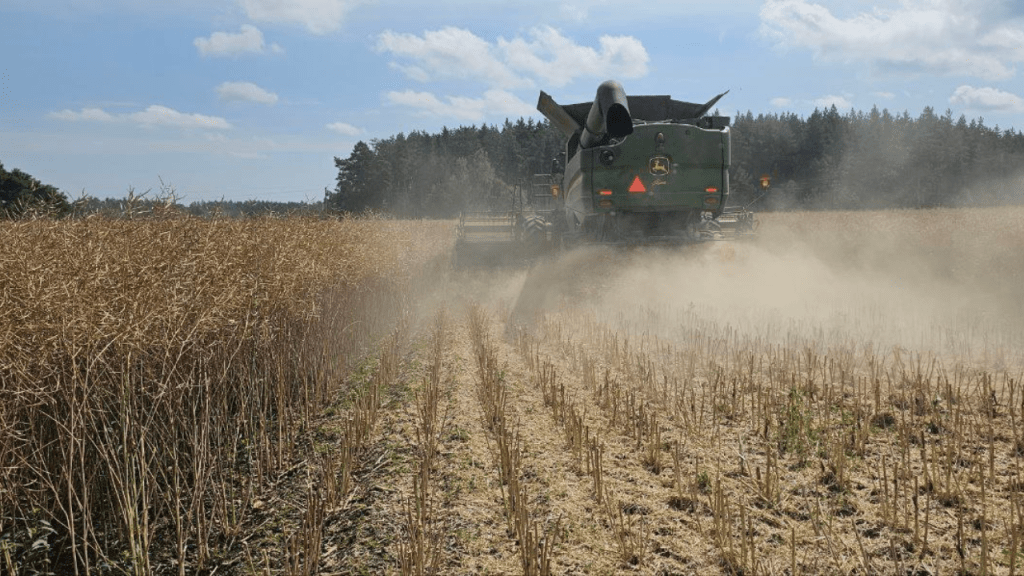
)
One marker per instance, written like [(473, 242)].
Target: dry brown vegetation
[(843, 396), (157, 375)]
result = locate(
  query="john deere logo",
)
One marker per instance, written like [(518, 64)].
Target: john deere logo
[(660, 166)]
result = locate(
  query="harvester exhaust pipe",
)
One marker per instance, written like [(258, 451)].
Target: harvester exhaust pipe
[(608, 117)]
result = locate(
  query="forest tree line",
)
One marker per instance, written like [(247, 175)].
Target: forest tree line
[(24, 196), (828, 160)]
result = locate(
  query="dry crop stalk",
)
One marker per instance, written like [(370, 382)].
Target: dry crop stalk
[(595, 453), (202, 321), (534, 551), (652, 452), (1014, 529), (631, 537), (422, 553), (303, 552)]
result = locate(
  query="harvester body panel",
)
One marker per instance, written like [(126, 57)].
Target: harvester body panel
[(687, 171)]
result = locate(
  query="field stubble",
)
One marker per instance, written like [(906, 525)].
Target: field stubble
[(842, 396)]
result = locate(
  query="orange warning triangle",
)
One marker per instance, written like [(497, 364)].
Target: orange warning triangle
[(637, 185)]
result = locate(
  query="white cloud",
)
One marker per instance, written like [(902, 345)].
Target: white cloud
[(1006, 38), (546, 56), (154, 115), (496, 103), (557, 60), (344, 129), (318, 16), (449, 53), (955, 37), (88, 114), (245, 92), (886, 95), (424, 101), (157, 115), (414, 72), (248, 40), (839, 102), (987, 99), (575, 12), (842, 103)]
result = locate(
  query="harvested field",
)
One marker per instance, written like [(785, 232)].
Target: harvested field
[(842, 396)]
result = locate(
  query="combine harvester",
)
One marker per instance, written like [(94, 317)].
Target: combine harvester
[(639, 170)]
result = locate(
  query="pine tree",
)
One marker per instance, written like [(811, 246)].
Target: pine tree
[(20, 193)]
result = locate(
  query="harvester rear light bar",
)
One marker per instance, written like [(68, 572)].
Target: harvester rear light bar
[(605, 192), (711, 189)]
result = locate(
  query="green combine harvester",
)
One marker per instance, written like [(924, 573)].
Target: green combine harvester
[(639, 170)]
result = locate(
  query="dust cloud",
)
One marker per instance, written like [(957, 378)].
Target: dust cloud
[(945, 283)]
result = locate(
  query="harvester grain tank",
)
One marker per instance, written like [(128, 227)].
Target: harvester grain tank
[(638, 170)]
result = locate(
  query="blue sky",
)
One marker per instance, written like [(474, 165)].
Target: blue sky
[(242, 99)]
